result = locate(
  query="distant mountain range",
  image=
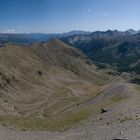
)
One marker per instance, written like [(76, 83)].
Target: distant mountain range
[(118, 48), (39, 37), (121, 49)]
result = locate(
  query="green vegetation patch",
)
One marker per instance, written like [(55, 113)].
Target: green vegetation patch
[(137, 87), (116, 99), (53, 124), (125, 119), (59, 121), (136, 81)]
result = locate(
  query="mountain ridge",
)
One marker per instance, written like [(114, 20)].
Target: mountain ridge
[(31, 37), (111, 47)]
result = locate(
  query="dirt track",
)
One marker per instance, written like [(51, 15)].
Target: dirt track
[(119, 122)]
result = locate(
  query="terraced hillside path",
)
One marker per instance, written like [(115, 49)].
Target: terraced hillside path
[(120, 121)]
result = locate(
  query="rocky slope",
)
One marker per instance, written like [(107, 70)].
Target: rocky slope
[(46, 82), (52, 86)]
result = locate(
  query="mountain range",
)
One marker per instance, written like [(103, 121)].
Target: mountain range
[(31, 37), (53, 86), (28, 38), (117, 48), (121, 49)]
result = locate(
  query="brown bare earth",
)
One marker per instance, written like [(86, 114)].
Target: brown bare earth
[(51, 91)]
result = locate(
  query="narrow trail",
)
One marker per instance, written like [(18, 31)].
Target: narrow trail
[(121, 121)]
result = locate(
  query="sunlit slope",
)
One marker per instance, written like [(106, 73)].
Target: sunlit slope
[(45, 80)]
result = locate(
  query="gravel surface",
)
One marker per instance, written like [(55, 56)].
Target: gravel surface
[(121, 121)]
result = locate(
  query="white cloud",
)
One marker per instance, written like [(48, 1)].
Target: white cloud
[(11, 31), (89, 10), (105, 14)]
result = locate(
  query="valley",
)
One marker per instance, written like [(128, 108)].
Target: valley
[(51, 90), (69, 70), (42, 81)]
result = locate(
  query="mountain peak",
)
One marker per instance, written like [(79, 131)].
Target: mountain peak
[(131, 31), (56, 43)]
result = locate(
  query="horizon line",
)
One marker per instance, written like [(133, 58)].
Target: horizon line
[(69, 31)]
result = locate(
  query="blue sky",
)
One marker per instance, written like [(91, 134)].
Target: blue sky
[(56, 16)]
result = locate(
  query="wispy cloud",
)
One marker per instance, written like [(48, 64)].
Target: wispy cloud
[(13, 30), (10, 31), (105, 14), (89, 10)]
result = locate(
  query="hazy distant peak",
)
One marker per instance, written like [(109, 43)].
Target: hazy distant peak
[(131, 31), (79, 32)]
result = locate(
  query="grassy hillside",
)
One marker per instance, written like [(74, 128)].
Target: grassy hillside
[(43, 86)]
